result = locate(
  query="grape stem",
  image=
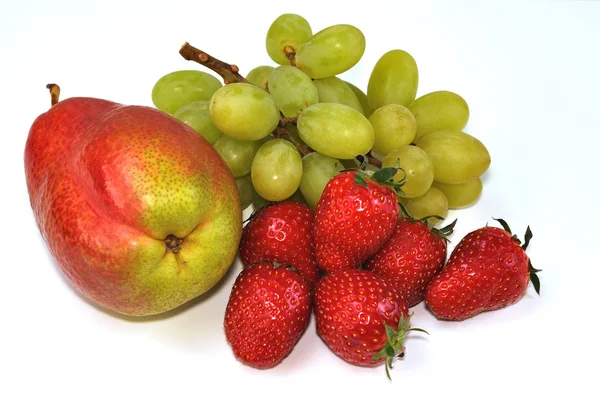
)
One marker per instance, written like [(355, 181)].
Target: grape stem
[(291, 120), (373, 161), (282, 131), (54, 93), (290, 54), (229, 72)]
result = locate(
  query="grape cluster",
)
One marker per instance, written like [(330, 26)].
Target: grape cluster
[(285, 131)]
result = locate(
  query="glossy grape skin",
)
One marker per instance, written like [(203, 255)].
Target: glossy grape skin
[(417, 166), (433, 202), (394, 125), (457, 157), (438, 111), (259, 76), (394, 80), (362, 99), (336, 130), (237, 154), (331, 51), (243, 111), (335, 90), (197, 115), (462, 195), (176, 89), (244, 186), (317, 170), (292, 90), (276, 170), (287, 30)]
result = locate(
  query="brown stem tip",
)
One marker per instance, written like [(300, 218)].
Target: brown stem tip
[(373, 161), (54, 93), (229, 73)]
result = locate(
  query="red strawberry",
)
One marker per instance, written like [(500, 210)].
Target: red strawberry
[(281, 233), (268, 310), (411, 258), (361, 317), (487, 270), (355, 216)]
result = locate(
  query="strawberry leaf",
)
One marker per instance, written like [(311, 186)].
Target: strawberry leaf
[(387, 369), (359, 180), (390, 332), (535, 280), (424, 219), (504, 224), (445, 231), (528, 236), (418, 330), (384, 174)]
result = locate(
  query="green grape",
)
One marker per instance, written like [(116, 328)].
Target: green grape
[(433, 202), (258, 202), (417, 167), (362, 98), (292, 90), (335, 90), (286, 34), (175, 90), (394, 80), (237, 154), (276, 170), (439, 111), (259, 76), (336, 130), (394, 125), (244, 187), (243, 111), (457, 157), (197, 115), (331, 51), (317, 170), (462, 195)]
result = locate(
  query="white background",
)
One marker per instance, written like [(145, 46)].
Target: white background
[(529, 72)]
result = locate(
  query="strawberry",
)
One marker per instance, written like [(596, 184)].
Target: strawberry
[(411, 257), (355, 216), (281, 233), (487, 270), (361, 317), (268, 310)]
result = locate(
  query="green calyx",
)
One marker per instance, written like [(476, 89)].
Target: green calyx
[(535, 280), (443, 232), (383, 176), (395, 345)]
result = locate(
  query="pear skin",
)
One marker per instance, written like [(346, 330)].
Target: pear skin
[(138, 210)]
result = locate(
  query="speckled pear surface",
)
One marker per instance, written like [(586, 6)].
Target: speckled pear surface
[(138, 210)]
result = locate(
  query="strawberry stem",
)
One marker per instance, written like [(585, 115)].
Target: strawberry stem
[(395, 345)]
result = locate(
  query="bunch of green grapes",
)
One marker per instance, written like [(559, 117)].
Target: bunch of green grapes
[(287, 129)]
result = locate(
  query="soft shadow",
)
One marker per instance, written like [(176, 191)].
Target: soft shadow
[(150, 318)]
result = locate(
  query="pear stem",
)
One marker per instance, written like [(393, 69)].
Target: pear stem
[(54, 93), (229, 72)]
